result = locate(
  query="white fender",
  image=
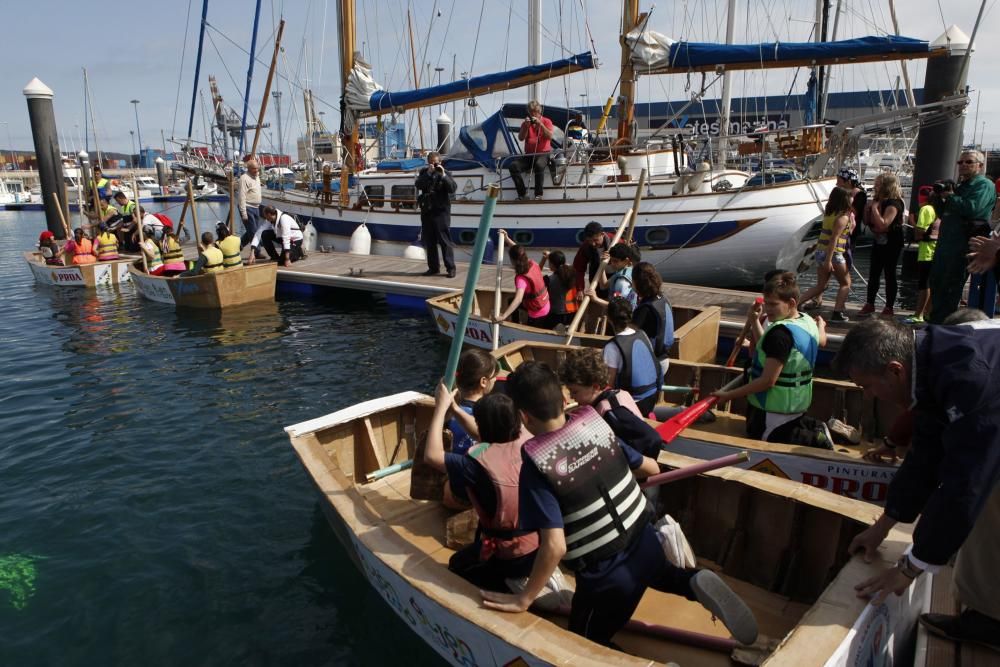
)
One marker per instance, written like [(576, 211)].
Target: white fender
[(361, 241), (309, 237), (680, 185), (415, 251), (699, 177)]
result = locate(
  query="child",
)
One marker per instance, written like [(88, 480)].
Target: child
[(49, 248), (561, 285), (620, 258), (80, 248), (487, 476), (831, 251), (577, 489), (149, 248), (172, 254), (474, 378), (631, 362), (780, 388), (653, 315), (531, 291), (926, 233), (586, 378)]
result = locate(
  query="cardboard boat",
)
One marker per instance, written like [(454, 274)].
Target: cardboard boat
[(216, 291), (79, 275)]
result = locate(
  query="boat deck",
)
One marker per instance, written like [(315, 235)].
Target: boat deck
[(934, 651)]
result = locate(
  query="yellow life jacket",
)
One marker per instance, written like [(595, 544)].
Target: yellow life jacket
[(172, 252), (154, 259), (214, 257), (107, 247), (230, 247)]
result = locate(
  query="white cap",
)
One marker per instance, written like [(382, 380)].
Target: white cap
[(37, 89)]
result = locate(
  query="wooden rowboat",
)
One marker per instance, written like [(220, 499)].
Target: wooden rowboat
[(842, 471), (696, 330), (780, 544), (79, 275), (223, 289)]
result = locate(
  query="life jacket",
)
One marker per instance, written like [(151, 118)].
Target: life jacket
[(792, 393), (461, 441), (826, 232), (502, 536), (663, 317), (626, 291), (156, 260), (640, 374), (102, 187), (50, 257), (622, 414), (230, 247), (563, 299), (83, 252), (107, 247), (603, 509), (128, 209), (172, 251), (214, 259), (536, 296)]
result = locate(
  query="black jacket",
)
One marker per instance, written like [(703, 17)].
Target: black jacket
[(435, 190), (954, 460)]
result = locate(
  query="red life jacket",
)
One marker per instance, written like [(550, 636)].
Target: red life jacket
[(537, 295), (501, 536)]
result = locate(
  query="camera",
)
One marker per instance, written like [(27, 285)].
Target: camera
[(944, 186)]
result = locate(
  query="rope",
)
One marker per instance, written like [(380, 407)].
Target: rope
[(180, 72)]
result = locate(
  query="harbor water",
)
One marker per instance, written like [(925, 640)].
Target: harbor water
[(153, 511)]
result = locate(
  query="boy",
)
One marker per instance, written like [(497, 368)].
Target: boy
[(620, 260), (577, 490), (780, 388)]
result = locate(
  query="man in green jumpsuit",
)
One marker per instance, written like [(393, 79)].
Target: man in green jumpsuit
[(972, 200)]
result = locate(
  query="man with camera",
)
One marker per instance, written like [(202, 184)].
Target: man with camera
[(436, 187), (965, 210), (536, 137)]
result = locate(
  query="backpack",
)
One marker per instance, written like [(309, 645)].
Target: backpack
[(631, 430)]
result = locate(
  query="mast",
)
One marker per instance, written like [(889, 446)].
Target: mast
[(197, 67), (727, 93), (93, 118), (630, 19), (910, 99), (246, 96), (416, 78), (826, 84), (534, 41), (346, 30), (824, 71), (267, 87)]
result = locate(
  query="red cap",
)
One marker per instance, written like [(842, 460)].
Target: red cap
[(759, 299), (45, 236)]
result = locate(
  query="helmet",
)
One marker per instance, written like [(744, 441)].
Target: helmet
[(849, 175)]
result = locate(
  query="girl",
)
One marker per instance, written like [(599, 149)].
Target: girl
[(172, 254), (632, 366), (653, 315), (620, 258), (885, 216), (49, 248), (831, 252), (531, 291), (474, 378), (561, 285)]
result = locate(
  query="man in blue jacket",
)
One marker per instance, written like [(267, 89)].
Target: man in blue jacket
[(948, 376)]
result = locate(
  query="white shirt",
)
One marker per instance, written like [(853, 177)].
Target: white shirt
[(612, 355), (287, 229), (150, 220)]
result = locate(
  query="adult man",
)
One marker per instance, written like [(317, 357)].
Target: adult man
[(436, 187), (249, 200), (125, 224), (536, 136), (277, 226), (948, 375), (972, 200), (102, 184), (210, 258)]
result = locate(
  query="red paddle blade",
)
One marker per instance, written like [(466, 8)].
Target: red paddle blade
[(671, 428)]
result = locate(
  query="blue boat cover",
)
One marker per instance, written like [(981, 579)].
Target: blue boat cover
[(684, 55), (384, 100), (401, 164)]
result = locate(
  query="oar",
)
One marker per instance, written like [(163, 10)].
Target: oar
[(597, 276), (138, 224), (232, 198), (194, 216), (670, 429), (742, 337), (184, 210), (635, 204), (696, 469), (62, 218), (498, 294)]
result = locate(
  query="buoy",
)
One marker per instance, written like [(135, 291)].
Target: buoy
[(361, 241), (697, 179), (415, 251), (309, 237), (681, 183)]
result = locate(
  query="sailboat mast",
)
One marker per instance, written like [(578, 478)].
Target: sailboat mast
[(86, 112), (910, 99), (826, 84), (267, 88), (93, 118), (416, 78), (727, 93), (246, 96), (346, 30), (197, 67), (534, 41), (630, 19)]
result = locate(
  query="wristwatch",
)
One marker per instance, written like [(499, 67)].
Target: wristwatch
[(908, 569)]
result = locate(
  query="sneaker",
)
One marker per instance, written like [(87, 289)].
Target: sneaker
[(969, 626), (846, 431), (916, 319), (838, 316), (867, 309), (823, 439), (714, 595), (887, 312), (451, 273)]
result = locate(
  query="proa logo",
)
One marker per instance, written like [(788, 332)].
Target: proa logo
[(442, 323), (68, 277)]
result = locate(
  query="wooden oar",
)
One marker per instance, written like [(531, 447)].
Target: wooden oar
[(194, 216), (184, 209), (696, 469), (635, 205), (498, 294), (232, 199), (62, 218), (670, 429), (742, 337), (138, 225), (597, 276)]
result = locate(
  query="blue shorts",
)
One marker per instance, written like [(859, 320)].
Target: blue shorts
[(838, 257)]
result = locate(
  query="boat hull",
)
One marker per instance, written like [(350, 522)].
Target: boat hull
[(99, 274), (720, 239), (213, 291)]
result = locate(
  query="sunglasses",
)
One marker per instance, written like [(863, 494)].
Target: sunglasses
[(968, 162)]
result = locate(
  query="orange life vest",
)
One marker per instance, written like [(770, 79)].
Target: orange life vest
[(83, 252)]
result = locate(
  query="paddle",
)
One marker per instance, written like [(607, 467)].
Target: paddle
[(498, 294), (137, 217), (695, 469), (635, 204), (671, 428), (742, 337)]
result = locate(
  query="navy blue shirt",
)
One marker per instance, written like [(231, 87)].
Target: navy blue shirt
[(461, 441), (464, 473)]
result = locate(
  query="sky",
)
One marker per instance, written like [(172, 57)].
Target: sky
[(146, 50)]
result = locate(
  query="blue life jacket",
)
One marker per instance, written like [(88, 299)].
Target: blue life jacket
[(662, 316), (640, 374)]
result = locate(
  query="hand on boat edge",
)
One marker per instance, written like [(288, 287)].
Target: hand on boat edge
[(508, 602), (878, 588)]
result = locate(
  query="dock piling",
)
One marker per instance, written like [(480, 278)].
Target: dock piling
[(46, 139)]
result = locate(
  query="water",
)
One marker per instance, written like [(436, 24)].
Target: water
[(147, 479)]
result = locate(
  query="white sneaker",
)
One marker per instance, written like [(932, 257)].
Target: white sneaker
[(556, 594), (717, 597), (846, 431)]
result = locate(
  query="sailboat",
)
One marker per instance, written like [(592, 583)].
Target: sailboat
[(697, 224)]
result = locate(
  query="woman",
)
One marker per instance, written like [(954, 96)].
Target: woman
[(884, 215), (561, 285), (653, 315), (831, 251), (531, 293)]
